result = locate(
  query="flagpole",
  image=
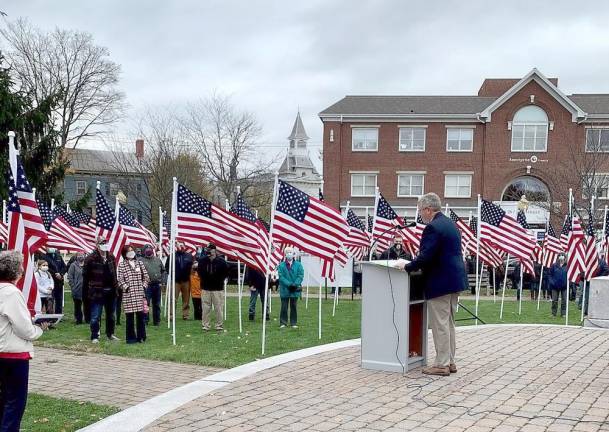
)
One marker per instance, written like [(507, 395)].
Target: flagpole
[(271, 292), (571, 217), (321, 187), (227, 207), (543, 261), (172, 242), (376, 203), (161, 246), (268, 259), (587, 282), (605, 246), (520, 288), (336, 286), (507, 264), (478, 257), (494, 285)]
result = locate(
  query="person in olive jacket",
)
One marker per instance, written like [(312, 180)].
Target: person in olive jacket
[(291, 274), (212, 271)]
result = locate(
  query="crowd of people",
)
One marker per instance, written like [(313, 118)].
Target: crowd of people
[(100, 286)]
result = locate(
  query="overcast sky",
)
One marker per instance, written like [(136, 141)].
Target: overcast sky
[(276, 56)]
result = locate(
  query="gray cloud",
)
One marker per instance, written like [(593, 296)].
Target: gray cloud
[(274, 56)]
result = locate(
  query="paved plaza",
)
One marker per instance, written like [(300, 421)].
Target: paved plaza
[(511, 378), (108, 380)]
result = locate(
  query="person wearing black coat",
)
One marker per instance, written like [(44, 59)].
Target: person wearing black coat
[(212, 270), (57, 268), (441, 260), (183, 266), (557, 281), (396, 251), (255, 280)]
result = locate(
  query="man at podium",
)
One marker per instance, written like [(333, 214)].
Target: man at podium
[(441, 261)]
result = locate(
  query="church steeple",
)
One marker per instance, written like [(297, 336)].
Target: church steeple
[(298, 138)]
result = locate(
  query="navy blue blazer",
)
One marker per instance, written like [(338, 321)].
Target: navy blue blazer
[(440, 258)]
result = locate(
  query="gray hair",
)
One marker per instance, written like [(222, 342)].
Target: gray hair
[(430, 200), (11, 263)]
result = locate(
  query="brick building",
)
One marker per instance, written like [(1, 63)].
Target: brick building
[(501, 143)]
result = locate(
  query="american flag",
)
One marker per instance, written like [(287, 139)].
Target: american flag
[(358, 239), (26, 232), (576, 250), (564, 233), (504, 232), (385, 221), (165, 230), (87, 227), (259, 259), (200, 222), (469, 243), (370, 223), (108, 227), (473, 224), (61, 233), (137, 234), (3, 232), (552, 247), (308, 223), (591, 253), (527, 263)]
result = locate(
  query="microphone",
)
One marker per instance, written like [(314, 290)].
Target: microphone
[(408, 225)]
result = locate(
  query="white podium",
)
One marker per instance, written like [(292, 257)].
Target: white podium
[(598, 303), (394, 319)]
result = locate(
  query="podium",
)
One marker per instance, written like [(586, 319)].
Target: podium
[(394, 318)]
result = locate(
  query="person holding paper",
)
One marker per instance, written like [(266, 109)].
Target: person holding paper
[(441, 260)]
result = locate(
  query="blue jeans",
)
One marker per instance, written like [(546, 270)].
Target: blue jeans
[(153, 294), (254, 298), (13, 393), (108, 302)]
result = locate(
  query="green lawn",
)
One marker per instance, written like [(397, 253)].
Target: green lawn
[(226, 349), (47, 414)]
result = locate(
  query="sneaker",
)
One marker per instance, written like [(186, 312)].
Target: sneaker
[(452, 368), (95, 341), (251, 317), (437, 370), (294, 326), (205, 328), (219, 328), (282, 326), (113, 338)]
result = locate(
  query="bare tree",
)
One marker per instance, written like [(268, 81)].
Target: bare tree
[(226, 142), (167, 154), (70, 66)]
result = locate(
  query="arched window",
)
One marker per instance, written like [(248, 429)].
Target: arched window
[(534, 189), (530, 130)]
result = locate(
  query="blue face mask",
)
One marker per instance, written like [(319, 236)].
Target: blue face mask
[(289, 256)]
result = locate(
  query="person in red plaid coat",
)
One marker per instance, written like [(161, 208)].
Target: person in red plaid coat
[(132, 281)]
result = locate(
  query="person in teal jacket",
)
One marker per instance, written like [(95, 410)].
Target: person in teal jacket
[(291, 274)]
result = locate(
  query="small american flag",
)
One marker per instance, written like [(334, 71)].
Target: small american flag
[(564, 233), (469, 243), (108, 227), (552, 247), (201, 222), (527, 264), (576, 249), (61, 233), (591, 253), (385, 221), (504, 232), (137, 234), (308, 223), (26, 232)]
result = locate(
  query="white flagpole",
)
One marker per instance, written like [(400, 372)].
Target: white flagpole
[(543, 260), (478, 257), (172, 242), (571, 216), (268, 259), (520, 288), (161, 246), (307, 291), (507, 263), (583, 302), (226, 207), (336, 286), (376, 203), (494, 285), (321, 187)]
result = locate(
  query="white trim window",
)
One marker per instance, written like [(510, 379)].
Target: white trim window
[(364, 139), (457, 185), (412, 139), (597, 140), (530, 130), (598, 185), (81, 187), (459, 139), (363, 184), (411, 184)]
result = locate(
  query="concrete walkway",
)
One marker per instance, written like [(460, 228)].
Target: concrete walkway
[(511, 378), (108, 380)]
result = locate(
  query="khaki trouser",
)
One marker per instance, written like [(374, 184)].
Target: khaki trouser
[(442, 322), (217, 298), (184, 288)]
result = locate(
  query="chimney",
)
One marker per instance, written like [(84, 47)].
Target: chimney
[(139, 148)]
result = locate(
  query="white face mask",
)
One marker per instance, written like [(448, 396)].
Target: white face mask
[(130, 255), (103, 247), (44, 268), (289, 256)]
